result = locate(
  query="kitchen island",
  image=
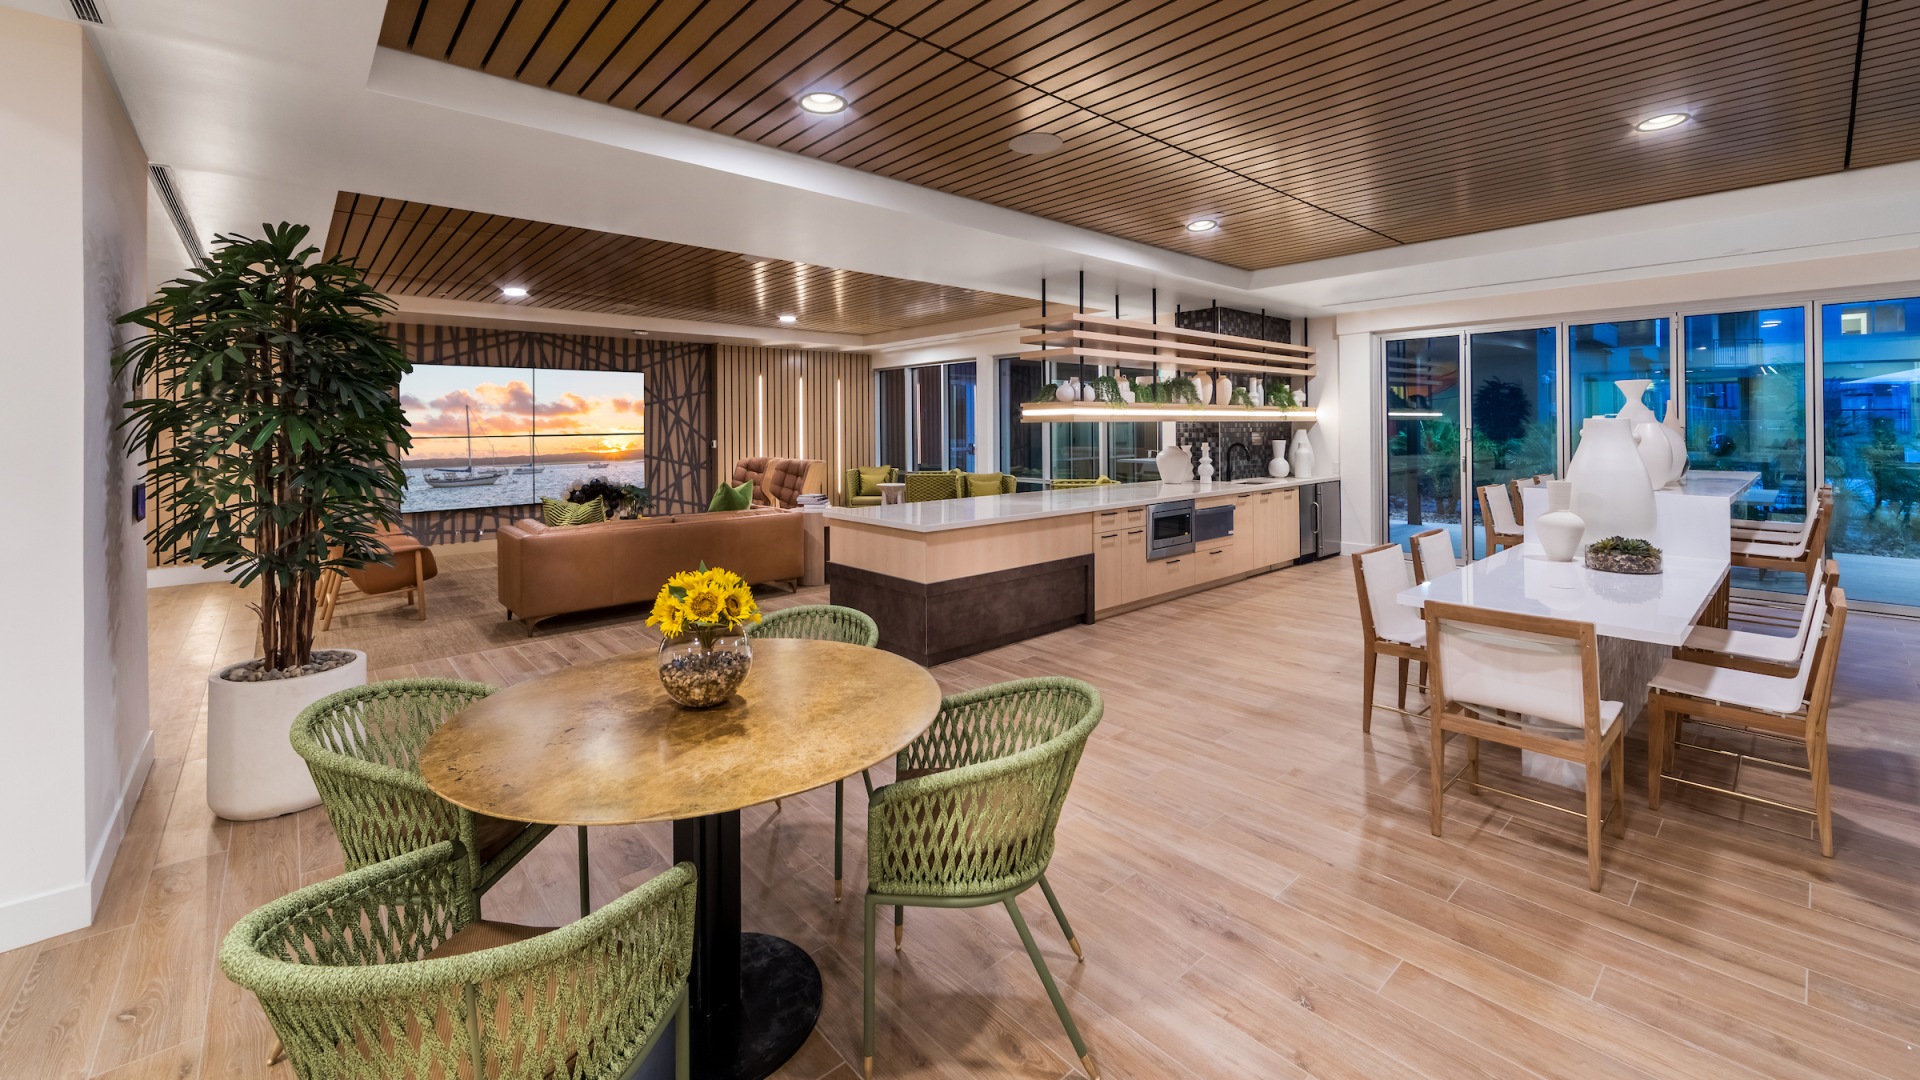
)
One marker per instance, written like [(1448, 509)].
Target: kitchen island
[(953, 577)]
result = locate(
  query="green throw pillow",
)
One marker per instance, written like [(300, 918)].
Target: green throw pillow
[(871, 477), (732, 497), (979, 484), (561, 512)]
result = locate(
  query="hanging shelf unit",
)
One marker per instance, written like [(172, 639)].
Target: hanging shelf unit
[(1105, 340), (1096, 412)]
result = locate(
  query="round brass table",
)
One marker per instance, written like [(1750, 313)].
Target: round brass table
[(601, 744)]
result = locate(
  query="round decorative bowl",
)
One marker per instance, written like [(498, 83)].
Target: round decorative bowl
[(700, 669), (1608, 562)]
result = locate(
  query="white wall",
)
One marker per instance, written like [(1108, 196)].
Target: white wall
[(75, 729)]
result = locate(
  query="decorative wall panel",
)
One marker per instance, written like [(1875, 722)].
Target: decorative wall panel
[(795, 403)]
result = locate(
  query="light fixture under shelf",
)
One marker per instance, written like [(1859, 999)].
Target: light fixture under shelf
[(1094, 412)]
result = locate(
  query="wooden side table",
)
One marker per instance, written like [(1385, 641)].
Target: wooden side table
[(814, 530)]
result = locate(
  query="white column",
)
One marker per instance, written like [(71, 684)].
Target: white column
[(73, 228)]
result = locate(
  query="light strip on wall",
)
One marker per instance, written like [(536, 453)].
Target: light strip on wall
[(800, 408), (760, 416), (839, 437), (1121, 414)]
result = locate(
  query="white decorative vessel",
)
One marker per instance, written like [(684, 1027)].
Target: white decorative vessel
[(1126, 389), (1560, 529), (1257, 390), (252, 770), (1611, 490), (1203, 388), (1656, 453), (1301, 455), (1277, 466), (1635, 411), (1176, 465), (1676, 431), (1070, 389), (1223, 390), (1205, 471), (1089, 392)]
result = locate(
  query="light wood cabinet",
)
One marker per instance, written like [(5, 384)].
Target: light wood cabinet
[(1110, 578), (1170, 575), (1219, 560), (1276, 531)]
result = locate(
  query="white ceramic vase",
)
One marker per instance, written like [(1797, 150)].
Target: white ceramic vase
[(252, 771), (1176, 465), (1223, 390), (1611, 490), (1560, 529), (1635, 411), (1257, 391), (1205, 471), (1301, 455), (1070, 389), (1277, 466), (1089, 392), (1676, 426), (1126, 389), (1656, 453), (1203, 388)]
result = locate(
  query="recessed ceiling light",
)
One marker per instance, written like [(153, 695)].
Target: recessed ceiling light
[(642, 333), (789, 318), (1036, 143), (1205, 224), (512, 292), (823, 103), (1662, 122)]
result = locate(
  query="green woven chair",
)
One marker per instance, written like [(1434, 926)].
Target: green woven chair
[(385, 973), (825, 622), (863, 484), (971, 820), (930, 486), (363, 748), (1066, 485)]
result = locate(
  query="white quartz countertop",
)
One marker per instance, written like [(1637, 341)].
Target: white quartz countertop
[(1658, 608), (1722, 485), (944, 514)]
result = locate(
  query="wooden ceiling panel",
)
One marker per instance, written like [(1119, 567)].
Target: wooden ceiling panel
[(414, 249), (1311, 129), (1888, 127)]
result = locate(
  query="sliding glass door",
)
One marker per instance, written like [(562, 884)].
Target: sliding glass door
[(1511, 412), (1603, 353), (1424, 428), (1870, 397)]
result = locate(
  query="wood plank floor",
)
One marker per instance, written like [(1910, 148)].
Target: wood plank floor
[(1252, 878)]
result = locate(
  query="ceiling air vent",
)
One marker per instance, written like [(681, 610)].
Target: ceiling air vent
[(176, 210), (88, 11)]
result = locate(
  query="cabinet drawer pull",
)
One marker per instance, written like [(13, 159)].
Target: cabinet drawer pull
[(1135, 532)]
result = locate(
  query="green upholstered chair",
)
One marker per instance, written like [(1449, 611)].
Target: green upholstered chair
[(864, 490), (363, 748), (387, 973), (1062, 485), (973, 485), (970, 821), (825, 622), (931, 486)]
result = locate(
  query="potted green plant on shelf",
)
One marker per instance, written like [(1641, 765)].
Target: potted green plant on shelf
[(271, 433)]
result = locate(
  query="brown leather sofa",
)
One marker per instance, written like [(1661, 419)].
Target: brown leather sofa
[(547, 571), (781, 481)]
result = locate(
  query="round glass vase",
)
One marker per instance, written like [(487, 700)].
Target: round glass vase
[(701, 668)]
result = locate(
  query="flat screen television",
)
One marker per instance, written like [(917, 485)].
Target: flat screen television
[(493, 436)]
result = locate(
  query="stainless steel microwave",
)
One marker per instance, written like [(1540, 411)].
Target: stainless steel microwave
[(1169, 529)]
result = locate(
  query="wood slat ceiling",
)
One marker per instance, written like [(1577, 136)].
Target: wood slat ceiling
[(1310, 129), (416, 249)]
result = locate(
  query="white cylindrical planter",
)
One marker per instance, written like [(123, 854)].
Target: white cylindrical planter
[(252, 771)]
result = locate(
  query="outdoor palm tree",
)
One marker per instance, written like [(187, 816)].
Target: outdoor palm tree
[(270, 428)]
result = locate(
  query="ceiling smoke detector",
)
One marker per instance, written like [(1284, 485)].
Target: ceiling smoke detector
[(1036, 143)]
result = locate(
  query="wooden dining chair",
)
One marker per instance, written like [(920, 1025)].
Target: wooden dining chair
[(1788, 708), (1432, 554), (1387, 627), (1798, 556), (1516, 486), (1497, 517), (1769, 654), (1529, 682)]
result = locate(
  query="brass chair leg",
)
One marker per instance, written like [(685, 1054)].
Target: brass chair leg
[(899, 926), (278, 1055), (1060, 916)]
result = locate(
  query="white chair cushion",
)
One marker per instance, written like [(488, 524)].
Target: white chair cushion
[(1769, 647), (1772, 551), (1415, 635), (1767, 693), (1609, 716)]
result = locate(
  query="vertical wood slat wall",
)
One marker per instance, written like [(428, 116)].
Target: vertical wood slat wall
[(795, 403)]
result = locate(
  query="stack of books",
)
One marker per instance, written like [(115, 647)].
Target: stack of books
[(812, 501)]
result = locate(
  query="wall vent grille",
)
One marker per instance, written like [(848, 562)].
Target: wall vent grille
[(88, 11), (176, 210)]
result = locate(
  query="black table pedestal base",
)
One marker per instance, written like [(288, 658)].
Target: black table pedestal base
[(754, 997), (779, 1005)]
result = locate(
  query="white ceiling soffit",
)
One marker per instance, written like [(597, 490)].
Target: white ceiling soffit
[(266, 109), (1863, 212)]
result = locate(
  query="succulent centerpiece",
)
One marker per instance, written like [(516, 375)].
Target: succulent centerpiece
[(1623, 555)]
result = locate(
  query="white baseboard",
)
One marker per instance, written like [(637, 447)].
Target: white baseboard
[(160, 577), (71, 907)]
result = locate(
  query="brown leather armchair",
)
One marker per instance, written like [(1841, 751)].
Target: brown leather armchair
[(781, 481)]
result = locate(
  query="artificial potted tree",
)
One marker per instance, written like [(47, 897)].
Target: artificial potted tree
[(271, 432)]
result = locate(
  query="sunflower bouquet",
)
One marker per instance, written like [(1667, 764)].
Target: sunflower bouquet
[(705, 603)]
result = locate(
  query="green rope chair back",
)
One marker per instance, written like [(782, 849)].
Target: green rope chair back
[(363, 748), (984, 821), (820, 622), (340, 969)]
